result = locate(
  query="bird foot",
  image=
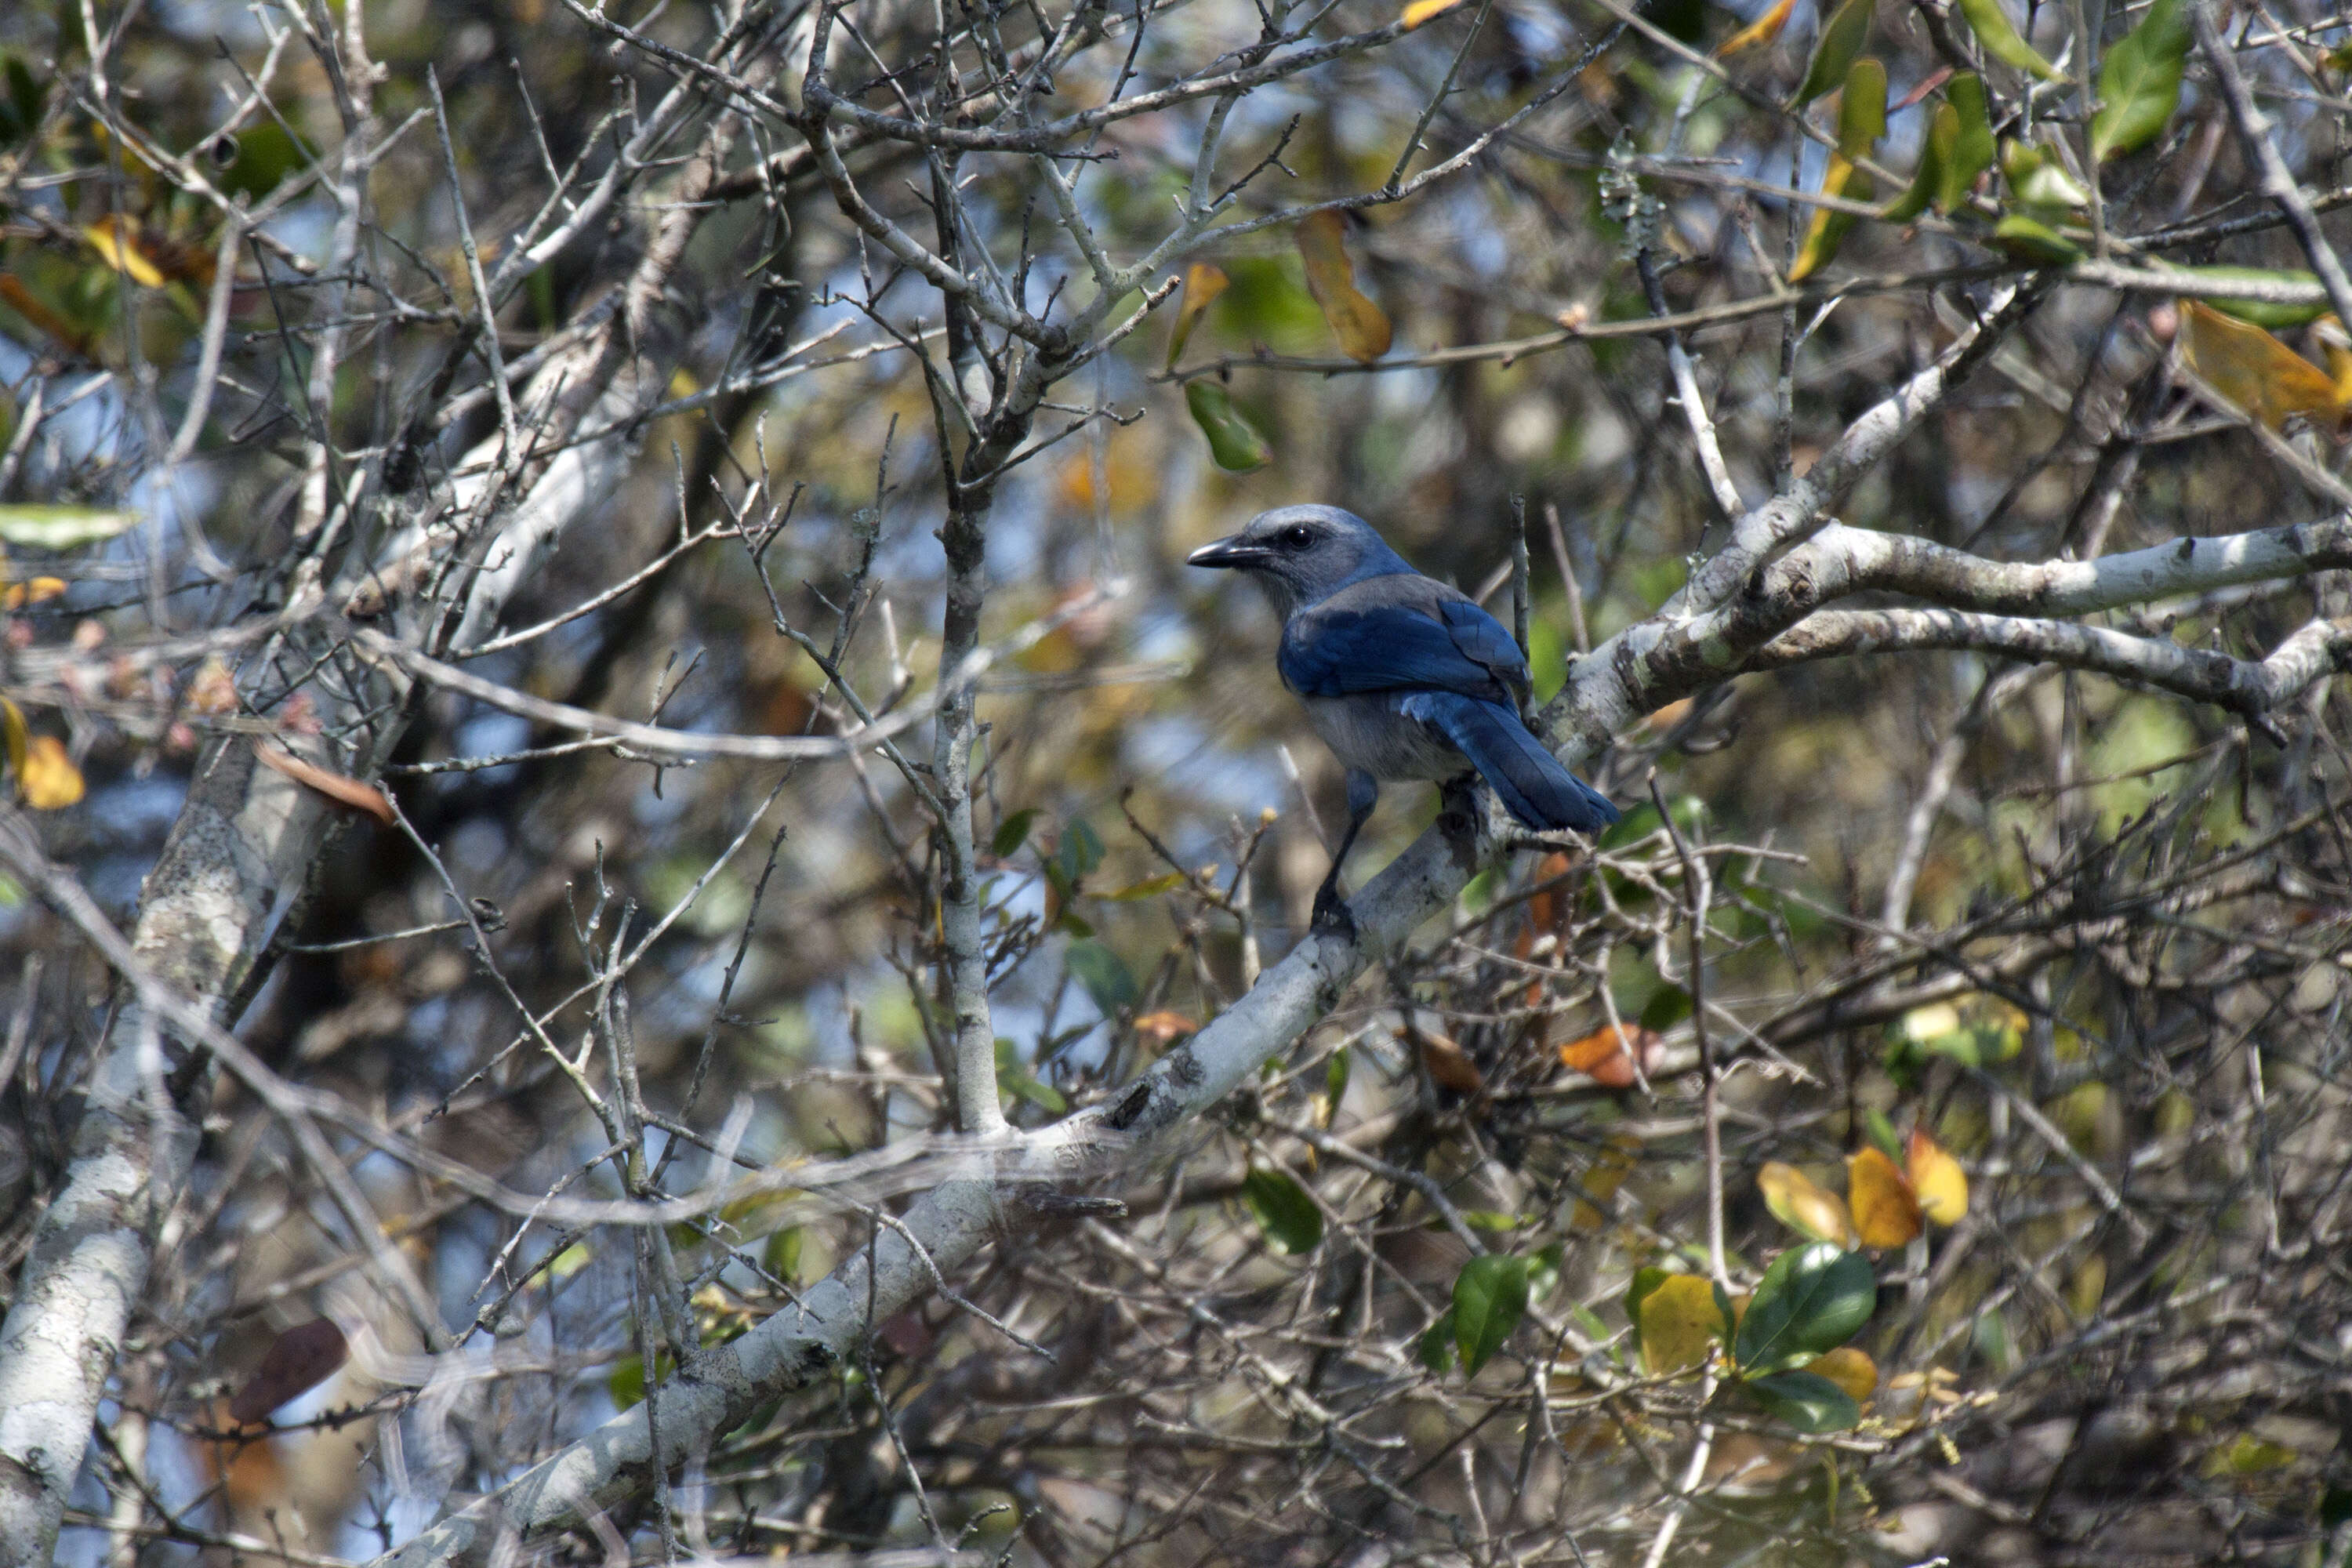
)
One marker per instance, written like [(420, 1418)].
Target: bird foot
[(1332, 917)]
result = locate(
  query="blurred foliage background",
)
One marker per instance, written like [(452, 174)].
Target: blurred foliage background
[(2081, 938)]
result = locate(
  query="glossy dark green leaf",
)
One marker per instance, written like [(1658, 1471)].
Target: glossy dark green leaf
[(2000, 38), (1283, 1210), (1490, 1297), (1105, 976), (2139, 81), (1812, 1299), (1012, 833), (20, 108), (1809, 1403), (1841, 39), (1235, 444)]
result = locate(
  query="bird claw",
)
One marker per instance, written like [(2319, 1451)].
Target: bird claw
[(1332, 917)]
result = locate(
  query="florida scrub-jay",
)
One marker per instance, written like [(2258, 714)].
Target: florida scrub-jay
[(1404, 677)]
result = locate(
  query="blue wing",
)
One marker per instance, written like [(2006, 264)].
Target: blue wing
[(1423, 640)]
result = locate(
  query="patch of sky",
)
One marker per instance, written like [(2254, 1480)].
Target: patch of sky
[(1176, 749), (490, 734)]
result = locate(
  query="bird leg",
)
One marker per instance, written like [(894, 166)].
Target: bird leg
[(1330, 913)]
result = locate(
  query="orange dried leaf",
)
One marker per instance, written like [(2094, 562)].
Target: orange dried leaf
[(1203, 281), (213, 691), (1362, 328), (1936, 1178), (1165, 1025), (298, 1361), (1884, 1211), (1547, 909), (1449, 1064), (26, 303), (2254, 368), (49, 781), (1420, 11), (339, 788), (1850, 1368), (1761, 31), (1803, 1206), (1608, 1055)]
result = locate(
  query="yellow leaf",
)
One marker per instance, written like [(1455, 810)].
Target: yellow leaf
[(49, 781), (1679, 1321), (1936, 1179), (11, 721), (1884, 1211), (1420, 11), (2252, 368), (1762, 30), (1828, 229), (1361, 327), (1165, 1025), (107, 238), (1796, 1201), (1608, 1173), (1850, 1368)]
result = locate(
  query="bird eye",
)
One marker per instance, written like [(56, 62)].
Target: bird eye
[(1297, 536)]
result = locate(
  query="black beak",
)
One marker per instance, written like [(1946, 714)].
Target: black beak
[(1226, 551)]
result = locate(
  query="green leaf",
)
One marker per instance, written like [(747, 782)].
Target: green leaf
[(61, 527), (1105, 976), (1841, 39), (259, 157), (1544, 1269), (20, 112), (1014, 1076), (1670, 1005), (1881, 1132), (1994, 31), (1149, 888), (1490, 1296), (2258, 312), (1437, 1343), (1807, 1400), (1012, 833), (2139, 81), (2034, 243), (1080, 850), (1335, 1077), (1283, 1210), (2040, 182), (1943, 131), (1862, 108), (782, 1256), (1646, 1279), (1235, 444), (1812, 1299), (1972, 149), (1829, 227)]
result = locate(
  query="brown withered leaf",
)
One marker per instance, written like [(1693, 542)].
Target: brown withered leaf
[(340, 788), (1362, 327), (301, 1359), (1449, 1064)]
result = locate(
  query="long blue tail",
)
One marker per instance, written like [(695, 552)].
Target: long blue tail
[(1533, 785)]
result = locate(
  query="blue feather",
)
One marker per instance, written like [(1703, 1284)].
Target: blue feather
[(1532, 784)]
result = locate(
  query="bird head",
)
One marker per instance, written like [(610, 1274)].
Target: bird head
[(1301, 554)]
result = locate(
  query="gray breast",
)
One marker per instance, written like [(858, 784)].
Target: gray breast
[(1365, 731)]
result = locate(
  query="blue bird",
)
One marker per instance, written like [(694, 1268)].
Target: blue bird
[(1404, 677)]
